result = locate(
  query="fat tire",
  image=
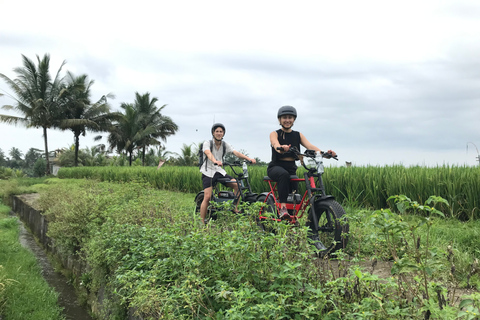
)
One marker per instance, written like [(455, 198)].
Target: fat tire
[(269, 206), (251, 198), (198, 203), (333, 234)]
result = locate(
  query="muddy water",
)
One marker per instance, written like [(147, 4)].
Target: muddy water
[(67, 297)]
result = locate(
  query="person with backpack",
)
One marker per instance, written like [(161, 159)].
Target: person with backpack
[(283, 164), (211, 156)]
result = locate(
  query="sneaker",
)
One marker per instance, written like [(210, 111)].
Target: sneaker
[(283, 213), (318, 244)]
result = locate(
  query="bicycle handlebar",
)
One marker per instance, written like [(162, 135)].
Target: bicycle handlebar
[(310, 153), (233, 164), (239, 175)]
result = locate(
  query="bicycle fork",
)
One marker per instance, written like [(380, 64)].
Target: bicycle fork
[(312, 197), (310, 186)]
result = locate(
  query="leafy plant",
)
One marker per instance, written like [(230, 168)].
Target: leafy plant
[(147, 254)]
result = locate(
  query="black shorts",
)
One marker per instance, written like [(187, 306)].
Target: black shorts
[(211, 181)]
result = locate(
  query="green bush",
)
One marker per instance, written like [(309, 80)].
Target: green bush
[(40, 167), (147, 252)]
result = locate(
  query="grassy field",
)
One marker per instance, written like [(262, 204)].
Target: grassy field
[(148, 251), (24, 294)]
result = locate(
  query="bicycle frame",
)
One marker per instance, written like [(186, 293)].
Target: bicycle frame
[(314, 191), (326, 217), (241, 180), (220, 195)]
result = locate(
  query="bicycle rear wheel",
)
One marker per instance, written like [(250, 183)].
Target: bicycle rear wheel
[(211, 214), (333, 226), (198, 201), (269, 205)]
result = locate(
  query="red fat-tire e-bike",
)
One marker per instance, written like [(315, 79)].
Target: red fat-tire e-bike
[(326, 217)]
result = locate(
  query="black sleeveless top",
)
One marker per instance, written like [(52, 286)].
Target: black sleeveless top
[(292, 138)]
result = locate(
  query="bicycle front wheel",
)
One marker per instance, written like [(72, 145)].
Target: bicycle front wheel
[(332, 232), (267, 214)]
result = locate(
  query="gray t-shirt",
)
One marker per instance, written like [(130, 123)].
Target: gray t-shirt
[(211, 169)]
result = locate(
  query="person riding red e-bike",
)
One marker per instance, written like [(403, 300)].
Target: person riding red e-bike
[(283, 162)]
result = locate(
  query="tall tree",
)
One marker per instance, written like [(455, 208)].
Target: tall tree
[(31, 157), (15, 153), (16, 161), (150, 116), (3, 161), (37, 97), (80, 114), (126, 133)]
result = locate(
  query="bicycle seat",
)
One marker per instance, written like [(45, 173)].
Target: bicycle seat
[(224, 180), (267, 178)]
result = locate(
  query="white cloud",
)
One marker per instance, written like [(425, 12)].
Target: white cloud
[(379, 82)]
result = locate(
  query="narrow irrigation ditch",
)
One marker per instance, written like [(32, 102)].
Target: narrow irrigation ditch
[(33, 235)]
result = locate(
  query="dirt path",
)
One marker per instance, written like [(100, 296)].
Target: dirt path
[(382, 269)]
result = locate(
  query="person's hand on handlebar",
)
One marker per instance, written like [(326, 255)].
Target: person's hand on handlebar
[(329, 154), (217, 163), (284, 148)]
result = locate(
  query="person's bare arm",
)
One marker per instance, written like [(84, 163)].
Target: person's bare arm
[(210, 157), (242, 156), (275, 143), (309, 146)]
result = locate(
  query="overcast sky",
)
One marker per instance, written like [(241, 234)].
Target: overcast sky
[(380, 82)]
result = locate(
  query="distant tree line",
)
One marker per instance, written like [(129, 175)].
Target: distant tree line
[(65, 103), (32, 164)]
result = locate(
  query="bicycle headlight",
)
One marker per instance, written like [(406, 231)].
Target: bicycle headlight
[(311, 163)]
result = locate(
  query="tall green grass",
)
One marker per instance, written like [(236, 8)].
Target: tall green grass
[(368, 186), (24, 293)]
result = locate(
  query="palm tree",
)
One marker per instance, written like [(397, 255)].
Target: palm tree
[(126, 133), (80, 114), (3, 161), (37, 97), (188, 156), (153, 158), (98, 155), (150, 116), (15, 153), (31, 157), (16, 161)]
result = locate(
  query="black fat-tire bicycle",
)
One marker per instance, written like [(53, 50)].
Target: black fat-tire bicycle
[(326, 218), (222, 196)]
